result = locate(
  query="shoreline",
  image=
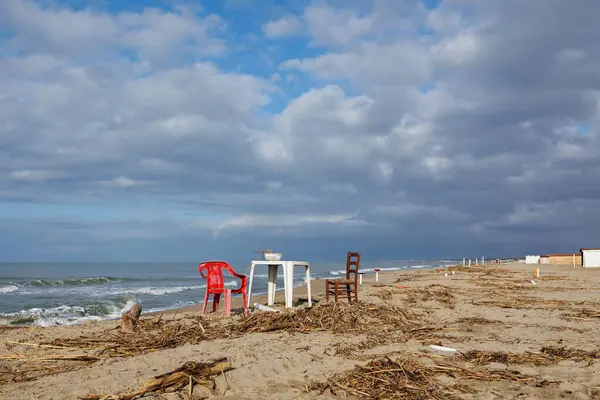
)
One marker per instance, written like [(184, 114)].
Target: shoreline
[(317, 286)]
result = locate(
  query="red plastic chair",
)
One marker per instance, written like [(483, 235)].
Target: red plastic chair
[(215, 285)]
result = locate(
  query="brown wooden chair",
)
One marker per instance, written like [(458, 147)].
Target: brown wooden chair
[(349, 284)]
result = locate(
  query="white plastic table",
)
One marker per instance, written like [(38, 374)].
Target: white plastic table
[(288, 280)]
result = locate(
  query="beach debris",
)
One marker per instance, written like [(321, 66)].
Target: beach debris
[(583, 314), (50, 357), (548, 355), (264, 308), (563, 353), (408, 378), (44, 346), (185, 377), (442, 348), (533, 282), (343, 318), (130, 319), (27, 367), (439, 293), (384, 294)]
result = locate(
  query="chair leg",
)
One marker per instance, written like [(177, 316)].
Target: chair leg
[(326, 291), (228, 302), (349, 294), (356, 294), (216, 300), (205, 302), (336, 291), (244, 296)]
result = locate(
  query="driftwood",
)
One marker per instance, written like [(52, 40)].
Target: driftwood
[(185, 376), (130, 319)]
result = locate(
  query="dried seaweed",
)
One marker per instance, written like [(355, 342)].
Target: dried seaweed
[(525, 302), (439, 293), (384, 323), (551, 278), (478, 321), (582, 314), (340, 318), (481, 357), (153, 335), (385, 378), (408, 378), (186, 376), (547, 356), (385, 294), (563, 353)]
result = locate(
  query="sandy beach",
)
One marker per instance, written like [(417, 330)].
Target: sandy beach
[(514, 339)]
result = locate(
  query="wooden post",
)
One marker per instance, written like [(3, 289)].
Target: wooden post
[(463, 261), (377, 274), (130, 319), (360, 274)]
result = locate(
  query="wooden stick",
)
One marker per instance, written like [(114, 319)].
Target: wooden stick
[(45, 346)]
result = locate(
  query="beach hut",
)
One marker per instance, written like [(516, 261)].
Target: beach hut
[(590, 258), (564, 259), (544, 260), (532, 259)]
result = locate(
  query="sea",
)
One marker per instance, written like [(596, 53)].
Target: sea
[(48, 294)]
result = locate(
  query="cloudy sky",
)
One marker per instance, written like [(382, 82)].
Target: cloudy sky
[(164, 130)]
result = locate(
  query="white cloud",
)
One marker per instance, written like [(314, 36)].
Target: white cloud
[(336, 27), (121, 182), (284, 26), (33, 176), (483, 112)]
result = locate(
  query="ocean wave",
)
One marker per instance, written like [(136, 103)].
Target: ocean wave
[(372, 270), (68, 315), (160, 291), (87, 281), (8, 289)]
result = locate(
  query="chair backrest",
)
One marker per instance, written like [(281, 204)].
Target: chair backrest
[(352, 263), (214, 273)]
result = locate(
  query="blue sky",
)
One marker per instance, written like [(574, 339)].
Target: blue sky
[(188, 130)]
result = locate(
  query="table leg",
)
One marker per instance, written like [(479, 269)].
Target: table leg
[(285, 285), (250, 285), (308, 285), (290, 284), (272, 285)]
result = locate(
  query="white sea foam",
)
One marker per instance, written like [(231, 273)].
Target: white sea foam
[(159, 291), (67, 315), (8, 289), (372, 270)]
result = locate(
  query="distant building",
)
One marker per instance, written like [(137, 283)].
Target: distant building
[(564, 259), (532, 259), (590, 258), (544, 260)]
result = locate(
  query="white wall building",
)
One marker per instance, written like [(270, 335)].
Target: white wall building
[(532, 259), (590, 258)]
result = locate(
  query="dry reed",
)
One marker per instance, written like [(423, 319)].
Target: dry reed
[(408, 378), (185, 377)]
